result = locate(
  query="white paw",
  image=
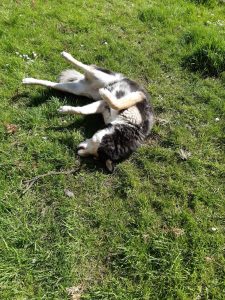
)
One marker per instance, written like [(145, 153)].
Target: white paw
[(28, 80), (69, 109), (105, 94), (66, 54), (64, 109)]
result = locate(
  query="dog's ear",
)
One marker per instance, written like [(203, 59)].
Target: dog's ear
[(109, 165)]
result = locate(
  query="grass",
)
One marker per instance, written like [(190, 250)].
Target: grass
[(207, 51), (154, 229)]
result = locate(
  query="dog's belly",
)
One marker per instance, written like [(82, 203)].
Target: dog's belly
[(92, 94)]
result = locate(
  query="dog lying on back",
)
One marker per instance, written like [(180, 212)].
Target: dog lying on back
[(123, 103)]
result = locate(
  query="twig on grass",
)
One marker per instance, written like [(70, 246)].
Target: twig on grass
[(30, 182)]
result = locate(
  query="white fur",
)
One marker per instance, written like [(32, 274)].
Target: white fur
[(93, 108), (70, 75), (90, 146)]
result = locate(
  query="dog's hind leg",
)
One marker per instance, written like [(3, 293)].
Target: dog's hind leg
[(77, 63), (46, 83), (79, 87), (92, 72)]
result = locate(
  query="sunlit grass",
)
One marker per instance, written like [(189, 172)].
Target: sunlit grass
[(154, 229)]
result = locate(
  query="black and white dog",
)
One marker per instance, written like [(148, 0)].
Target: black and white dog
[(123, 104)]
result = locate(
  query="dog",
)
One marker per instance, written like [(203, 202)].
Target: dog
[(123, 103)]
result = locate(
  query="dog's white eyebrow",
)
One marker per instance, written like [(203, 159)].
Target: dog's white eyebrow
[(124, 102)]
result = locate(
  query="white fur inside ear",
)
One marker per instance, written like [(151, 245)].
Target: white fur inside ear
[(109, 165)]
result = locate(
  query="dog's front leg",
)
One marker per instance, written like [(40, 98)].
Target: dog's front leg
[(124, 102), (93, 108)]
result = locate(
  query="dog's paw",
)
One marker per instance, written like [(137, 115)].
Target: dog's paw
[(105, 94), (28, 81), (66, 109), (66, 55)]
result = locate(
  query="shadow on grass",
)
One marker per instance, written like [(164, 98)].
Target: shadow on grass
[(18, 96), (207, 59), (206, 52), (89, 124), (209, 3), (44, 95)]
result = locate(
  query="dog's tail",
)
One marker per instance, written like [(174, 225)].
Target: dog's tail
[(70, 76)]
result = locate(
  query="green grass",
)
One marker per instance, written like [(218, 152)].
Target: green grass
[(154, 229)]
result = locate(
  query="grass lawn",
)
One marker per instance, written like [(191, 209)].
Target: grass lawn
[(155, 228)]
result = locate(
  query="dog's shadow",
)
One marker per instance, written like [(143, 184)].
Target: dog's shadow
[(89, 124)]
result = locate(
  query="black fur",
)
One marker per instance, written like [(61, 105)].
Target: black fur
[(121, 143), (146, 111), (125, 86), (120, 94), (134, 86)]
